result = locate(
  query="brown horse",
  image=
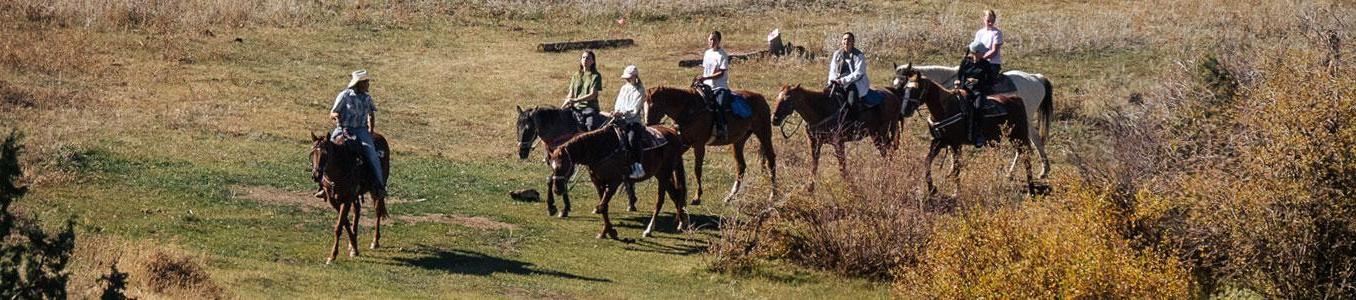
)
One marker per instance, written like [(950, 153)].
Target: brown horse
[(609, 167), (688, 110), (881, 123), (947, 123), (337, 167), (553, 126)]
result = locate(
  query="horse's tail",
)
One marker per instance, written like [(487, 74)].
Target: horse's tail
[(762, 127), (384, 150), (1047, 108)]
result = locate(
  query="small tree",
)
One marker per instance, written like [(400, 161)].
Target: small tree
[(32, 262)]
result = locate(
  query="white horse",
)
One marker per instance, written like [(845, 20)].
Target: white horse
[(1034, 89)]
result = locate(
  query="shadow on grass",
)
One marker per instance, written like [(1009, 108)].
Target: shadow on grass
[(474, 263), (667, 223)]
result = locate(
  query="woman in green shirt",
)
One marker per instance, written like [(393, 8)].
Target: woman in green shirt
[(582, 96)]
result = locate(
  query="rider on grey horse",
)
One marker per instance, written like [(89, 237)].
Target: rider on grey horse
[(975, 76), (355, 116), (847, 75)]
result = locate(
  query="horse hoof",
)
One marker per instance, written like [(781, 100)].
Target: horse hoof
[(329, 260), (564, 214), (696, 201), (646, 234), (375, 245), (550, 210), (630, 208), (612, 233), (601, 235), (353, 253), (597, 211)]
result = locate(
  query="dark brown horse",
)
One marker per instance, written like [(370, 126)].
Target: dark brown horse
[(337, 167), (827, 126), (688, 110), (947, 123), (553, 126), (609, 167)]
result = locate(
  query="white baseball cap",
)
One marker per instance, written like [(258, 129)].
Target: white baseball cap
[(358, 75), (630, 72)]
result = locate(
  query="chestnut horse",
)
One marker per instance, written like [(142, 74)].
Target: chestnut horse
[(947, 123), (609, 167), (822, 113), (553, 126), (339, 170), (688, 110)]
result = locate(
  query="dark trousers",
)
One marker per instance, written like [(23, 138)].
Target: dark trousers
[(629, 133), (720, 102)]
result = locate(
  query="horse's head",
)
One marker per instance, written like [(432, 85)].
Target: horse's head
[(527, 132), (562, 168), (907, 84), (320, 149), (787, 97)]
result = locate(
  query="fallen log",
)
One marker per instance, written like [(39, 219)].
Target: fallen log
[(689, 63), (592, 44)]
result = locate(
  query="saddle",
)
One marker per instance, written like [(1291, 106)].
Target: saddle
[(737, 106), (651, 139)]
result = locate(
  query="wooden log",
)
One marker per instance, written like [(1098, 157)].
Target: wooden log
[(689, 63), (591, 44)]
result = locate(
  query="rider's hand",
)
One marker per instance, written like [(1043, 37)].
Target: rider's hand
[(697, 79)]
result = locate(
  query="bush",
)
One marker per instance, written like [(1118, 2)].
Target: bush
[(32, 261)]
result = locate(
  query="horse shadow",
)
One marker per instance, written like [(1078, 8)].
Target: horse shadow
[(666, 223), (480, 264)]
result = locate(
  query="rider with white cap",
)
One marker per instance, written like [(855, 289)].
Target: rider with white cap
[(629, 113)]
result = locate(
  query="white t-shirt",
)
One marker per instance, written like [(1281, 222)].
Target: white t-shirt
[(716, 60), (991, 38)]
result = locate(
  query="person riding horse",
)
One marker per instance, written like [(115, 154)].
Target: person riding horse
[(355, 116), (628, 114), (847, 76), (714, 83), (583, 93), (976, 78)]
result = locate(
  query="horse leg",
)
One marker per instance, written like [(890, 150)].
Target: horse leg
[(678, 192), (599, 188), (338, 231), (740, 167), (698, 158), (608, 190), (353, 228), (815, 147), (1039, 142), (665, 184), (840, 151), (376, 230), (1030, 184), (630, 187), (770, 158), (550, 198), (927, 173), (956, 169), (565, 200)]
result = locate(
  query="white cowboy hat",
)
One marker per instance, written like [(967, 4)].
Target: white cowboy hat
[(630, 72), (358, 75)]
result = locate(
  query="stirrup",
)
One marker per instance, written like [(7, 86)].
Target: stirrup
[(637, 171)]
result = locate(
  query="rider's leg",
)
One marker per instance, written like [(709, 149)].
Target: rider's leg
[(373, 161), (632, 132), (722, 102)]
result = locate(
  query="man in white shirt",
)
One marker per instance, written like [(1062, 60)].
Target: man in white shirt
[(992, 39), (715, 68)]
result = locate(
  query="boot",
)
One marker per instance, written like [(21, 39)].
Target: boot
[(637, 171)]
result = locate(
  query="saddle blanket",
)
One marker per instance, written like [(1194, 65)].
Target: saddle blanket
[(740, 107), (1004, 85), (873, 98)]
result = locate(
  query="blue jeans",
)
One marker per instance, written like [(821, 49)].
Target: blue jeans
[(364, 138)]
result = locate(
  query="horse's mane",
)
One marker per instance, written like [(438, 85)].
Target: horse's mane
[(666, 91)]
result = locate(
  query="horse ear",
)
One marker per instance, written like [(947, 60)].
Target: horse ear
[(520, 108), (797, 85), (314, 138), (909, 67), (895, 64)]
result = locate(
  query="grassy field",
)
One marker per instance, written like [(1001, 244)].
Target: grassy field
[(184, 130)]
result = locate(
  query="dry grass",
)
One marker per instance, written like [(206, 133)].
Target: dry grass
[(154, 271)]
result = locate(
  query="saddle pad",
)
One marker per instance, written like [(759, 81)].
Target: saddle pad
[(994, 111), (873, 98), (739, 107), (652, 139), (1003, 85)]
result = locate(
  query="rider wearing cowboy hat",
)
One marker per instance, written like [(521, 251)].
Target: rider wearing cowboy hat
[(354, 116)]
